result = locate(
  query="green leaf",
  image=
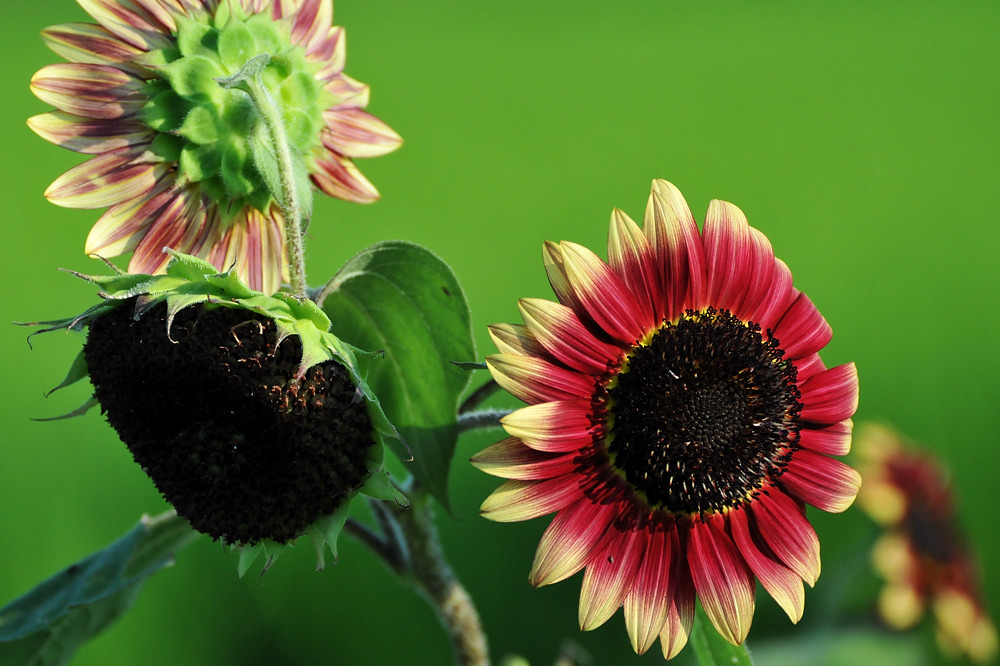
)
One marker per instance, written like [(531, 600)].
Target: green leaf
[(401, 298), (48, 624), (711, 649)]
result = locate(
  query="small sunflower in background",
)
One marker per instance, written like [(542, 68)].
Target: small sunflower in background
[(679, 418), (923, 555), (179, 160)]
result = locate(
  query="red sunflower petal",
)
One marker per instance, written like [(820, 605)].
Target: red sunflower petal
[(340, 178), (560, 331), (167, 230), (778, 298), (313, 20), (830, 396), (807, 367), (511, 459), (89, 136), (729, 252), (784, 586), (89, 91), (534, 380), (677, 247), (631, 258), (128, 21), (833, 440), (107, 179), (123, 225), (569, 539), (762, 270), (802, 330), (349, 92), (648, 602), (782, 523), (722, 579), (523, 500), (332, 53), (355, 133), (94, 44), (554, 427), (680, 616), (821, 481), (610, 574), (517, 339)]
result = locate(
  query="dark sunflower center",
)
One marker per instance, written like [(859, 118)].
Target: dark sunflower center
[(704, 414)]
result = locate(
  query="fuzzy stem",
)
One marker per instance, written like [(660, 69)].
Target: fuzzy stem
[(443, 590), (481, 419)]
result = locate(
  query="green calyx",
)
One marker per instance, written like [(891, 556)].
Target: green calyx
[(214, 134)]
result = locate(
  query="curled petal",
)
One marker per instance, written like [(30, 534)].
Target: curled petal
[(534, 380), (825, 483), (830, 396), (523, 500), (555, 427), (832, 440), (338, 177), (783, 524), (762, 267), (354, 133), (778, 298), (724, 583), (89, 91), (511, 459), (569, 540), (802, 330)]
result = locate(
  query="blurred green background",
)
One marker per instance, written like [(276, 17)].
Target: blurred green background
[(861, 137)]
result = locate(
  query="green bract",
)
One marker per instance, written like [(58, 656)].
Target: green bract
[(214, 134)]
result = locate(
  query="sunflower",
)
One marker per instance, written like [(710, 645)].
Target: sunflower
[(923, 555), (175, 157), (679, 418)]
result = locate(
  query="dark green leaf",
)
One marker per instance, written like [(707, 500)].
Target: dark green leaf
[(47, 625), (401, 298), (711, 649)]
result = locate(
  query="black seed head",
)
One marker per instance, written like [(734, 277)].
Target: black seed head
[(703, 414), (214, 416)]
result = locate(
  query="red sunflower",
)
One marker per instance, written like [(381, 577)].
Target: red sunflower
[(175, 156), (679, 420)]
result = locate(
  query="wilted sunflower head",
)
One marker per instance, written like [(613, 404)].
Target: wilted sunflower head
[(249, 417), (182, 162)]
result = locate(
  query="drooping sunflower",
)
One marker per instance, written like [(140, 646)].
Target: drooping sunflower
[(679, 418), (923, 555), (176, 157)]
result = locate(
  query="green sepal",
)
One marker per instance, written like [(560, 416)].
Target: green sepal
[(79, 411), (77, 371), (325, 532)]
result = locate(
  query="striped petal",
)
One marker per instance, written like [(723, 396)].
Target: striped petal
[(783, 525), (511, 459), (349, 92), (825, 483), (724, 584), (778, 298), (802, 330), (355, 133), (784, 586), (332, 53), (516, 339), (677, 247), (610, 574), (833, 440), (729, 252), (130, 22), (338, 177), (680, 616), (523, 500), (89, 136), (569, 539), (123, 225), (89, 43), (557, 328), (830, 396), (631, 258), (555, 427), (761, 271), (167, 230), (89, 91), (534, 380), (648, 602), (104, 180)]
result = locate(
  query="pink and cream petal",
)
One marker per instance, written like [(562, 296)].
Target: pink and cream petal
[(729, 253), (93, 44), (680, 616), (761, 275), (558, 329), (167, 230), (332, 53), (130, 22), (554, 427), (802, 330), (648, 602), (631, 258), (89, 91), (832, 440), (604, 297), (724, 583), (313, 19), (511, 459), (677, 247), (569, 540), (349, 92), (517, 339), (825, 483), (89, 136), (534, 380), (354, 133), (555, 271), (784, 585), (779, 297), (339, 177), (782, 522), (830, 396), (122, 226), (107, 179), (515, 501), (610, 574)]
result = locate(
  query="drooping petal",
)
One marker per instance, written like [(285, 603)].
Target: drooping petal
[(729, 252), (348, 92), (825, 483), (830, 396), (89, 91), (677, 247), (556, 427), (630, 257), (516, 339), (534, 380), (104, 180), (511, 459), (802, 330), (784, 586), (122, 226), (610, 574), (130, 22), (340, 178), (680, 616), (648, 602), (786, 530), (166, 230), (559, 330), (356, 133), (833, 440), (724, 583), (523, 500), (568, 541), (88, 136), (89, 43), (313, 19)]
